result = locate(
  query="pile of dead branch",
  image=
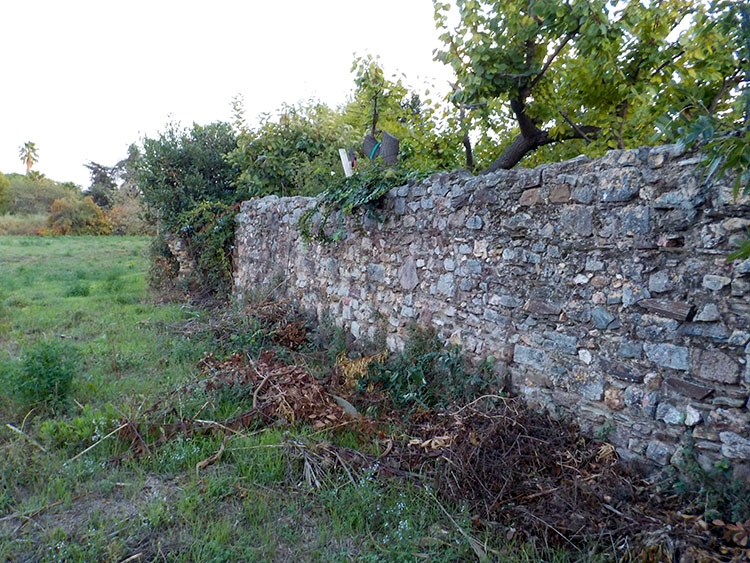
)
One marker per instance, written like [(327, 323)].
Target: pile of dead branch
[(280, 393), (539, 477)]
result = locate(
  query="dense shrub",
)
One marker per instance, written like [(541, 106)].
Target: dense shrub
[(47, 371), (127, 217), (183, 168), (4, 194), (74, 216)]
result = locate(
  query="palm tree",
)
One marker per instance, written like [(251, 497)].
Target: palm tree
[(29, 155)]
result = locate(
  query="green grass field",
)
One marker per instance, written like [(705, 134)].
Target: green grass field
[(60, 502)]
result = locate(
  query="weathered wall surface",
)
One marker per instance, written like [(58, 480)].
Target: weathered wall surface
[(600, 286)]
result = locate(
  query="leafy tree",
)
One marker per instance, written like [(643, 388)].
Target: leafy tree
[(29, 155), (584, 75), (30, 196), (183, 167), (295, 154), (429, 138), (4, 194), (103, 185)]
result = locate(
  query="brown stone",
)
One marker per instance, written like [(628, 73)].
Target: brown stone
[(697, 392), (714, 365), (530, 197), (560, 194), (670, 309), (542, 307), (614, 399)]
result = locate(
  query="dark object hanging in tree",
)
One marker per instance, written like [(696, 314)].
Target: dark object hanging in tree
[(387, 149)]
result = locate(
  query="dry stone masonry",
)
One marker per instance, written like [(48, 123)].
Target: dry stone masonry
[(601, 287)]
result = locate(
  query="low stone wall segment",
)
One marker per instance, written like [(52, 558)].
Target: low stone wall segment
[(601, 287)]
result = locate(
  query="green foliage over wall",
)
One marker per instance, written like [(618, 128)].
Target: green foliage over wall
[(296, 154)]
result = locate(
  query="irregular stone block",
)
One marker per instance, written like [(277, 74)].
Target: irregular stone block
[(629, 349), (692, 390), (619, 184), (474, 222), (713, 365), (560, 194), (529, 197), (620, 371), (668, 355), (669, 414), (535, 307), (734, 446), (530, 356), (671, 309), (578, 219), (660, 282), (603, 319), (659, 452), (715, 283), (708, 313), (407, 274)]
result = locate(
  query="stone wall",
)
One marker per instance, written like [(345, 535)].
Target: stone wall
[(600, 286)]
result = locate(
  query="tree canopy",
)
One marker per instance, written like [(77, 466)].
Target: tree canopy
[(587, 74), (29, 155)]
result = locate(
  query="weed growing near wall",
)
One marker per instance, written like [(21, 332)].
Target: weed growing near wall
[(426, 374)]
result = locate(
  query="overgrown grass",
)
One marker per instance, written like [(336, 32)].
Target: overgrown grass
[(22, 224), (254, 503)]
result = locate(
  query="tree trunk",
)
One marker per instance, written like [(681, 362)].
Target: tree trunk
[(469, 154), (520, 147)]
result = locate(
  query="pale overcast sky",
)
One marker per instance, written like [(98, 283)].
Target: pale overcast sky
[(84, 79)]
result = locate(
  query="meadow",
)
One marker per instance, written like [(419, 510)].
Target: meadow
[(72, 490)]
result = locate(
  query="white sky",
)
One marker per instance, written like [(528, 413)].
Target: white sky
[(85, 79)]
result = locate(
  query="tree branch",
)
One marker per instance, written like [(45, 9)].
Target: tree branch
[(575, 127), (552, 57)]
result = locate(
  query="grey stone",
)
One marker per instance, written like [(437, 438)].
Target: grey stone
[(635, 220), (714, 365), (578, 219), (740, 286), (668, 355), (715, 331), (447, 285), (692, 416), (473, 267), (602, 319), (474, 222), (495, 318), (376, 272), (619, 184), (734, 446), (399, 206), (530, 356), (739, 338), (629, 349), (407, 274), (592, 390), (428, 203), (593, 264), (449, 264), (506, 301), (562, 342), (467, 284), (660, 282), (742, 267), (715, 283), (633, 293), (708, 313), (659, 452), (669, 414), (583, 193)]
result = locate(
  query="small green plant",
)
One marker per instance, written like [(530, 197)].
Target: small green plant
[(78, 289), (714, 492), (47, 371), (426, 374)]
